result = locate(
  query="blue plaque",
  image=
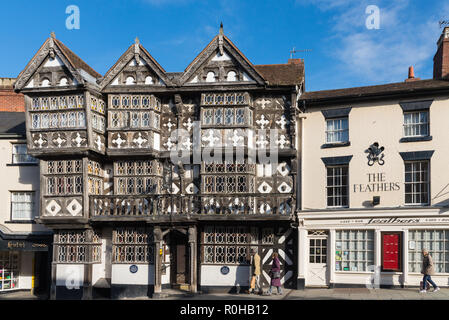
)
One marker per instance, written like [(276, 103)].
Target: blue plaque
[(224, 270), (133, 268)]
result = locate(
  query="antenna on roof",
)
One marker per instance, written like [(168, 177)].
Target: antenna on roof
[(221, 27), (293, 51)]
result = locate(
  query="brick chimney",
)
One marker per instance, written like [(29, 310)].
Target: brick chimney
[(441, 58)]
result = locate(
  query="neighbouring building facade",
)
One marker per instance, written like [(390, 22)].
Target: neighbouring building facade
[(25, 247), (138, 205), (375, 181)]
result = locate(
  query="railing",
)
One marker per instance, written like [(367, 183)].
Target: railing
[(179, 205)]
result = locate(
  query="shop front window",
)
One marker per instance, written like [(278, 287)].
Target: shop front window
[(9, 270), (436, 242), (354, 250)]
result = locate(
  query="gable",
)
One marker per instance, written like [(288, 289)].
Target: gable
[(221, 62), (55, 65), (135, 67), (53, 72)]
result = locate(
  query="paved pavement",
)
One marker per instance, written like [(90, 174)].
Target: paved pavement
[(307, 294), (329, 294)]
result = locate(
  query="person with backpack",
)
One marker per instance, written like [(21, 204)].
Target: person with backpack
[(427, 270)]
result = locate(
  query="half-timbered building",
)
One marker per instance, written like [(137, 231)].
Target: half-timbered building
[(153, 179)]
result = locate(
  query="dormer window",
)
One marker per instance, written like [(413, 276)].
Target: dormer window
[(210, 77)]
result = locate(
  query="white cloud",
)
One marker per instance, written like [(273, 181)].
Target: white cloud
[(405, 38)]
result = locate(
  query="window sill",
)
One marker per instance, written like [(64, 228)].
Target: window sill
[(21, 221), (25, 164), (335, 145), (415, 139)]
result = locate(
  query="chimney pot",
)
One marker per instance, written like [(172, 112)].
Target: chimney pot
[(411, 75), (411, 72)]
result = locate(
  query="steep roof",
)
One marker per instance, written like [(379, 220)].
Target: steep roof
[(291, 73), (72, 61), (376, 90), (76, 61), (12, 123)]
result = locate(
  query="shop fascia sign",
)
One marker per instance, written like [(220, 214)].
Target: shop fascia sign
[(379, 221)]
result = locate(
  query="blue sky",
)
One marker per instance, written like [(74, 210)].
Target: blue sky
[(344, 52)]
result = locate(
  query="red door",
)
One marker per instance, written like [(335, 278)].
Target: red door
[(391, 251)]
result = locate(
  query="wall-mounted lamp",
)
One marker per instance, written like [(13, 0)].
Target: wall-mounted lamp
[(376, 200)]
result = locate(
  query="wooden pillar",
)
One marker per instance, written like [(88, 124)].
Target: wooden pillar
[(87, 282), (193, 258), (53, 272), (157, 234)]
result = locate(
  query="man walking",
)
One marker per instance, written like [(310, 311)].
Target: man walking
[(255, 266), (427, 270)]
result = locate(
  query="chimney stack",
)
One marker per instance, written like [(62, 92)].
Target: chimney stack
[(441, 58)]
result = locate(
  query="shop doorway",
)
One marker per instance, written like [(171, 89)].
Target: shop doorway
[(391, 251), (179, 260), (317, 267)]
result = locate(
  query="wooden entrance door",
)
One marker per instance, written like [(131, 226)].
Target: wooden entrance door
[(317, 275), (179, 259), (391, 251)]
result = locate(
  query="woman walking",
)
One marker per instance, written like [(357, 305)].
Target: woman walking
[(427, 270), (275, 274)]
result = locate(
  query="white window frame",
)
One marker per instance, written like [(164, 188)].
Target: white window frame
[(334, 186), (353, 243), (416, 127), (338, 135), (416, 183), (21, 158), (15, 205)]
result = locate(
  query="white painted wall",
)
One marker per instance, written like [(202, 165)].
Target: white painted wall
[(70, 275), (380, 122), (16, 178), (211, 276), (122, 275), (26, 270)]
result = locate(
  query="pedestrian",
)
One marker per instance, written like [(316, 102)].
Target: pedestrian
[(275, 274), (427, 270), (255, 272)]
